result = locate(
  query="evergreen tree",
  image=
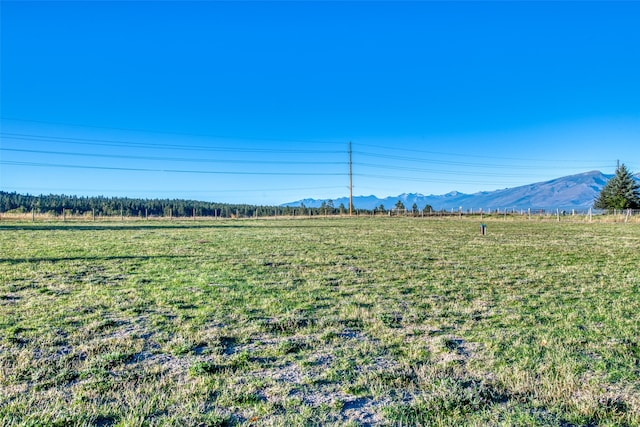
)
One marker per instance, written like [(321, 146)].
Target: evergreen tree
[(620, 192), (414, 209), (330, 206)]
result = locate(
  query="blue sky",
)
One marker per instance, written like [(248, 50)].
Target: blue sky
[(256, 101)]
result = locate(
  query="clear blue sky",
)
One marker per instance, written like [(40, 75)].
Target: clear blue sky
[(256, 101)]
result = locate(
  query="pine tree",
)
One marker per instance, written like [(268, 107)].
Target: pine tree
[(620, 192)]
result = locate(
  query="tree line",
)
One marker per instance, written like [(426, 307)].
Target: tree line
[(54, 204), (60, 204)]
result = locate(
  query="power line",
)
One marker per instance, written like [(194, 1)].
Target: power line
[(174, 159), (131, 144), (97, 190), (395, 162), (310, 141), (447, 162), (440, 171), (424, 180), (57, 165), (480, 156)]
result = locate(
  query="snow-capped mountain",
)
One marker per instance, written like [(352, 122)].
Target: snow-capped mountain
[(569, 192)]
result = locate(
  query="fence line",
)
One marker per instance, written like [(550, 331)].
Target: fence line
[(599, 215), (613, 215)]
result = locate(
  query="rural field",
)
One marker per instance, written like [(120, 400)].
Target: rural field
[(351, 322)]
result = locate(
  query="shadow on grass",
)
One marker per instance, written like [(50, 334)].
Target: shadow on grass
[(179, 226), (90, 258)]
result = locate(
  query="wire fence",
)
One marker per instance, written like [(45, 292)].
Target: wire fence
[(559, 215)]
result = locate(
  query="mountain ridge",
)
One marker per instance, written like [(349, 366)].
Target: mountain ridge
[(569, 192)]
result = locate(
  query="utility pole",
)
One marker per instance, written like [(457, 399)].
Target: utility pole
[(350, 180)]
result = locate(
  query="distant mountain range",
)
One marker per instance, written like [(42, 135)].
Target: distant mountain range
[(569, 192)]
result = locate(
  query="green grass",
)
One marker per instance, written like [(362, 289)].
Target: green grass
[(366, 321)]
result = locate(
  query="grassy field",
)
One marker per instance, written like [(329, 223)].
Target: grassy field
[(384, 321)]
